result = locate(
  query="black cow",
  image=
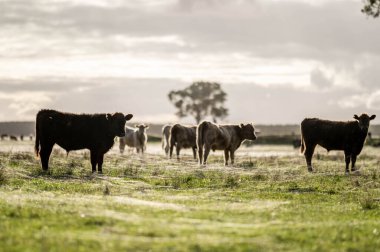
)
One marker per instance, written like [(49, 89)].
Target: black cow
[(182, 136), (95, 132), (332, 135)]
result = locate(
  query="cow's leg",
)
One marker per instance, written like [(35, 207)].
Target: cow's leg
[(347, 157), (353, 161), (100, 163), (207, 149), (171, 147), (226, 157), (195, 153), (178, 149), (45, 152), (137, 150), (309, 155), (121, 145), (200, 154), (93, 157), (232, 154), (166, 150)]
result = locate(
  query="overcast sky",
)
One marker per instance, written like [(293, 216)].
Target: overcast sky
[(278, 60)]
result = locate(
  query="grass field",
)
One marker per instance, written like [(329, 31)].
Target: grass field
[(150, 203)]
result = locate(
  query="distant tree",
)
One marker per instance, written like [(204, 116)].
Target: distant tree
[(371, 8), (199, 100)]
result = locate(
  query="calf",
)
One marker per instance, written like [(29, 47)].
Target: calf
[(332, 135), (165, 138), (134, 137), (95, 132), (211, 136), (13, 138), (182, 136)]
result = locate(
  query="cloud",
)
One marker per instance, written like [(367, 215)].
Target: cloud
[(101, 56), (23, 105), (353, 101), (319, 79), (374, 101), (362, 101)]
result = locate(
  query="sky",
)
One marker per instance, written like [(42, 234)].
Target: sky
[(278, 60)]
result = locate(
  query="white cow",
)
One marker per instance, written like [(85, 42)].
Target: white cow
[(135, 138)]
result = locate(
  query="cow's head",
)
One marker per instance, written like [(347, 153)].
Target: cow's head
[(117, 122), (248, 131), (141, 128), (364, 120)]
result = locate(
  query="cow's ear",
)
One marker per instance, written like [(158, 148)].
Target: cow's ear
[(372, 117), (108, 116), (356, 117), (136, 125), (128, 117), (241, 125), (147, 126)]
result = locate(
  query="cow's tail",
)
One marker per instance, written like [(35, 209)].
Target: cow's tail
[(200, 134), (37, 141), (164, 141), (302, 149)]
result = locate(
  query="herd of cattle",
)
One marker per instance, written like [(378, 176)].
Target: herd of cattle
[(97, 132), (15, 138)]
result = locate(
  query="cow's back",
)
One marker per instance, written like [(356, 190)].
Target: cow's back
[(183, 135), (72, 131), (332, 135)]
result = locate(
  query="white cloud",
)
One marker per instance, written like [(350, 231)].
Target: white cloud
[(370, 101), (353, 101), (320, 79), (24, 105), (374, 101)]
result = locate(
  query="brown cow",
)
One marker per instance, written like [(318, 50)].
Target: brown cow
[(95, 132), (211, 136), (182, 136), (332, 135), (165, 138)]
